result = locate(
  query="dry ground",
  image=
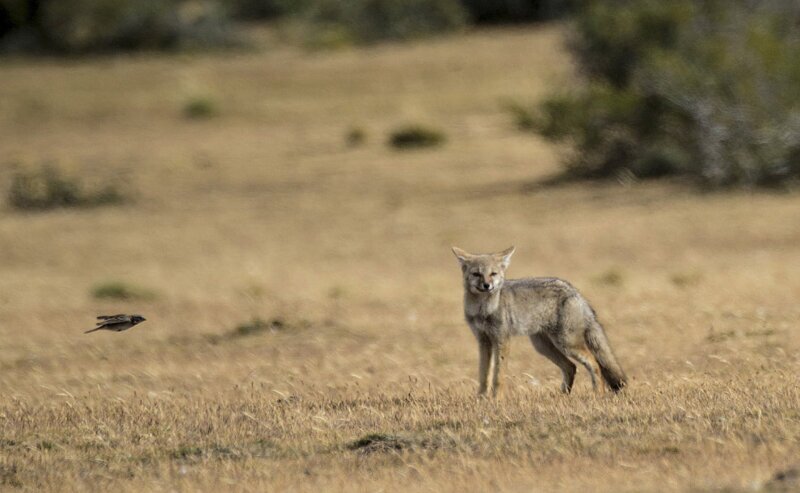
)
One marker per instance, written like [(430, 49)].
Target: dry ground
[(264, 211)]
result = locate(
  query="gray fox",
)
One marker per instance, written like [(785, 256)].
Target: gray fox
[(551, 312)]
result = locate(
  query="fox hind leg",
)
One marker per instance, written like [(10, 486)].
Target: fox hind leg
[(546, 348), (584, 357)]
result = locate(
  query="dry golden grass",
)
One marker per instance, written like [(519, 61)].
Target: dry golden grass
[(265, 211)]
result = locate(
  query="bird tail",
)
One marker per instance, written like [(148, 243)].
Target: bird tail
[(92, 330)]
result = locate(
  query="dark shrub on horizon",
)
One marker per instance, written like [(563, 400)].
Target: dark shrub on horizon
[(516, 11), (266, 9)]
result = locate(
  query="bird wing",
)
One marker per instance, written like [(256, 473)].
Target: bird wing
[(110, 317)]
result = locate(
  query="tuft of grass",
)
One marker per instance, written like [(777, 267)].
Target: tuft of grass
[(259, 326), (200, 108), (714, 336), (45, 445), (337, 292), (119, 290), (5, 443), (686, 279), (356, 136), (186, 452), (8, 476), (611, 277), (48, 188), (416, 136), (252, 292)]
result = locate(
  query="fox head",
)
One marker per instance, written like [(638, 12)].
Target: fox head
[(484, 273)]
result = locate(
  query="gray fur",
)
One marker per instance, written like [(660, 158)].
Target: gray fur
[(558, 319)]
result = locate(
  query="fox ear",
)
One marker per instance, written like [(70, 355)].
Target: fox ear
[(462, 256), (504, 257)]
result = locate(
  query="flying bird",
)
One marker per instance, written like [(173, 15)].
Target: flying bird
[(117, 323)]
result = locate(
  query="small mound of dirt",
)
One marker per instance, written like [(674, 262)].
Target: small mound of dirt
[(379, 442), (786, 480)]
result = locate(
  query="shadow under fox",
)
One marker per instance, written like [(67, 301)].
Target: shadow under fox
[(558, 320)]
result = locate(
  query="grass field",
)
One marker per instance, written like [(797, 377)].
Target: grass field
[(359, 372)]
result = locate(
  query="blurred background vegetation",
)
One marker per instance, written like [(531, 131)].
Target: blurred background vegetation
[(706, 89), (80, 26)]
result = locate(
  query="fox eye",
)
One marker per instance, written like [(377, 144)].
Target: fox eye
[(493, 274), (476, 274)]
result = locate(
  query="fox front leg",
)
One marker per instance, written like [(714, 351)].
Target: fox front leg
[(500, 349), (484, 362)]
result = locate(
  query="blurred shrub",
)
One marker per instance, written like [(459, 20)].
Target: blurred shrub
[(524, 117), (479, 11), (18, 26), (47, 188), (7, 22), (118, 290), (267, 9), (705, 89), (356, 136), (415, 136), (614, 37), (367, 21), (199, 107), (80, 26), (686, 279)]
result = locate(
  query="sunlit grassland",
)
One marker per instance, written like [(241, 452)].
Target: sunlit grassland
[(355, 370)]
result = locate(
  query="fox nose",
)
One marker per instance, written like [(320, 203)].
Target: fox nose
[(486, 286)]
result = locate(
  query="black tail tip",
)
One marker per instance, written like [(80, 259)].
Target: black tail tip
[(617, 385), (615, 381)]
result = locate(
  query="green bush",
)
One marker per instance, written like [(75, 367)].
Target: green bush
[(369, 21), (415, 136), (614, 37), (705, 89), (47, 188)]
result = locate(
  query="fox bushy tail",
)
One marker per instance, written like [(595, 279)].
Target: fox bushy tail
[(598, 345)]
